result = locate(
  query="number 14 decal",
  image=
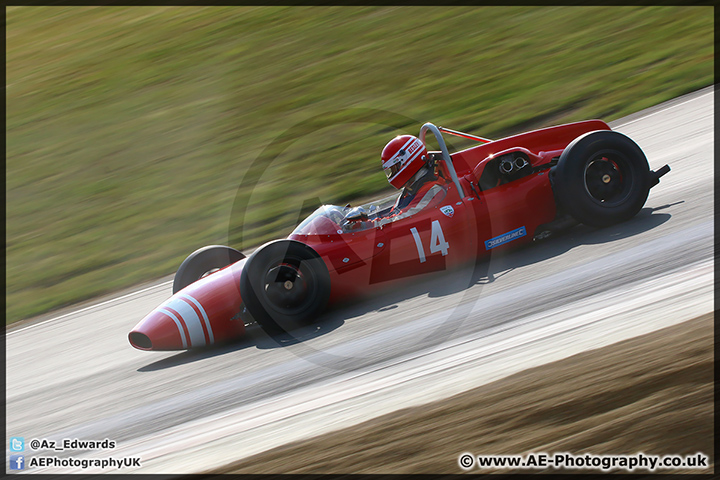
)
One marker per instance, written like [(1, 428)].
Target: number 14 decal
[(437, 241)]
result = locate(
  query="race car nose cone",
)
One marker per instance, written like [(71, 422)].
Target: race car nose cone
[(204, 313), (157, 331)]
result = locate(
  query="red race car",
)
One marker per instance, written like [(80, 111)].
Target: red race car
[(454, 208)]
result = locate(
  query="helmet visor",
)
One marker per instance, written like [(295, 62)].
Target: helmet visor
[(392, 170)]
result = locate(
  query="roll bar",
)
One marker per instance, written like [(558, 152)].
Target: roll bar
[(445, 154), (464, 135)]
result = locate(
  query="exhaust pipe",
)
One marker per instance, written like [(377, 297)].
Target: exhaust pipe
[(520, 163), (507, 166)]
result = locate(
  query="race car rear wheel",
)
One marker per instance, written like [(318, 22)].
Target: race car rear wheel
[(601, 178), (284, 284), (203, 262)]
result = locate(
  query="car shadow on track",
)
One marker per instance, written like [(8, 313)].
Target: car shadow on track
[(201, 353), (484, 271), (254, 337), (489, 270), (436, 285)]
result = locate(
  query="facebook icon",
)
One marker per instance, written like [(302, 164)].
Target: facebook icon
[(17, 462)]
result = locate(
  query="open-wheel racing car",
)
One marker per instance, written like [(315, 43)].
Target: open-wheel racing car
[(491, 197)]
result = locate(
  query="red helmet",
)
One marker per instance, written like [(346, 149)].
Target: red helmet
[(401, 158)]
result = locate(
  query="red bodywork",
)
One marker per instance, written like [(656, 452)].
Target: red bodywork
[(451, 232)]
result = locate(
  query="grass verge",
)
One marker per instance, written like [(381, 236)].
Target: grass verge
[(130, 130)]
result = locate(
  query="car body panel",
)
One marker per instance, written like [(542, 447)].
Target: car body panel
[(366, 255)]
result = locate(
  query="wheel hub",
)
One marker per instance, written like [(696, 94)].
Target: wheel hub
[(603, 180), (285, 286)]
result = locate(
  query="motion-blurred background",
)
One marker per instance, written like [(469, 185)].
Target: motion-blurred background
[(131, 131)]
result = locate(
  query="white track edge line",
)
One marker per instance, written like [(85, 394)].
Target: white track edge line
[(89, 307), (664, 109)]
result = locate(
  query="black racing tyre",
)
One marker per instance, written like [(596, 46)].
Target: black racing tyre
[(601, 178), (204, 261), (284, 284)]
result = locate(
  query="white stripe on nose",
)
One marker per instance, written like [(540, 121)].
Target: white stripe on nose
[(204, 315), (191, 320), (178, 323)]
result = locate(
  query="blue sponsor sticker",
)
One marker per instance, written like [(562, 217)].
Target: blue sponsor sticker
[(505, 238)]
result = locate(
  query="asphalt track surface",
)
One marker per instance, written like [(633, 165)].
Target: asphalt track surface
[(76, 376)]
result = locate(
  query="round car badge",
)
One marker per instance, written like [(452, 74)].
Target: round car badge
[(448, 210)]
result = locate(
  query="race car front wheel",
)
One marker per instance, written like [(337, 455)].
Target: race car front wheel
[(203, 262), (601, 178), (284, 284)]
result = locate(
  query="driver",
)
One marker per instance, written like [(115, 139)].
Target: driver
[(407, 166)]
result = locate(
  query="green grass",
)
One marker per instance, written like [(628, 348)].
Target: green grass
[(130, 130)]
